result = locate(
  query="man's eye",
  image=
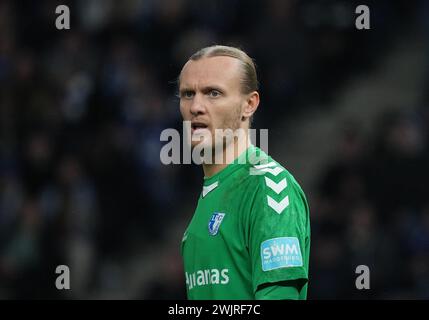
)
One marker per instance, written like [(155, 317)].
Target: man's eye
[(214, 93), (187, 94)]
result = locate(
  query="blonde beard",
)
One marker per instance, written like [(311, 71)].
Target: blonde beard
[(226, 143), (221, 144)]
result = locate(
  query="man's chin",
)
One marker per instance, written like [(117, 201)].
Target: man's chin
[(201, 144)]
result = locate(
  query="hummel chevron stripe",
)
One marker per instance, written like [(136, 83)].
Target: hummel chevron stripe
[(266, 165), (275, 171), (276, 187), (278, 206)]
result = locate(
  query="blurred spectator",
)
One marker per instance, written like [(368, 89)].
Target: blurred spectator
[(81, 112)]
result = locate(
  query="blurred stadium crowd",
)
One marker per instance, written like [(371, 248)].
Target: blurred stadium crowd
[(81, 112)]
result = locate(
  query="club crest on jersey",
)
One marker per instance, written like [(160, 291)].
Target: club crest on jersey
[(214, 222)]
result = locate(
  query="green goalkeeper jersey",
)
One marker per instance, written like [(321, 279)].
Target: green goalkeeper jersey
[(251, 228)]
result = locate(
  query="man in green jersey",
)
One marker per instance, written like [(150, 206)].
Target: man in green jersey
[(249, 237)]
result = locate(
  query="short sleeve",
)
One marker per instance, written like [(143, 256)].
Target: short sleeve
[(279, 235)]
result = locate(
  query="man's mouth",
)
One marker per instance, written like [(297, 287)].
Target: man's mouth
[(198, 127)]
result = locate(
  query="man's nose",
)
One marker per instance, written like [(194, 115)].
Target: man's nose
[(197, 105)]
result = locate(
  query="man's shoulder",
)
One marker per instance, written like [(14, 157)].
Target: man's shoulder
[(276, 189), (270, 180), (266, 167)]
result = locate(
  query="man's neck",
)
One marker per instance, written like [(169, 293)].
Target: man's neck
[(236, 148)]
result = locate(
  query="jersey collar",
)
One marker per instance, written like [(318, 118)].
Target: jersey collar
[(211, 187)]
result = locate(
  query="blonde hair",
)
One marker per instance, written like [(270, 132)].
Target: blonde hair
[(249, 80)]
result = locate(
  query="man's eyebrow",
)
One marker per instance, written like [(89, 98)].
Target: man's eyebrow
[(185, 89), (203, 89), (212, 87)]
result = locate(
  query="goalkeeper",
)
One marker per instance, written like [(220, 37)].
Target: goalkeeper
[(249, 237)]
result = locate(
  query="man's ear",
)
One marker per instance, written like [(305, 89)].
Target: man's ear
[(252, 103)]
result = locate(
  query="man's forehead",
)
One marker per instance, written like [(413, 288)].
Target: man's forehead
[(208, 69)]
